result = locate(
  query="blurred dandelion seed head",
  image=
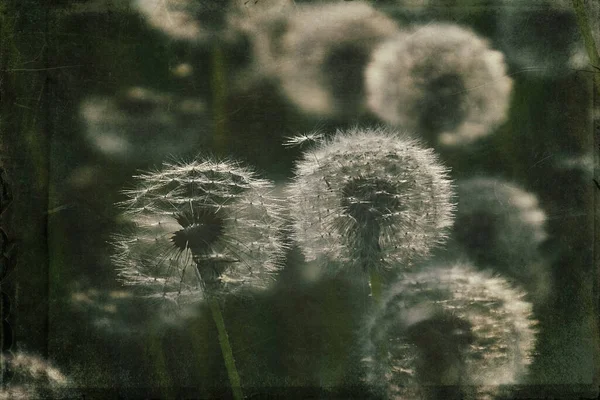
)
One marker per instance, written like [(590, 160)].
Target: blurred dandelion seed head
[(500, 225), (440, 80), (141, 123), (450, 325), (370, 195), (213, 220), (318, 53), (31, 377), (527, 33), (195, 21)]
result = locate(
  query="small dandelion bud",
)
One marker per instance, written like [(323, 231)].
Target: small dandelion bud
[(370, 197), (143, 124), (30, 377), (442, 81), (500, 226), (322, 50), (449, 332), (201, 225)]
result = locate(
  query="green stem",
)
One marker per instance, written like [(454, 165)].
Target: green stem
[(156, 354), (234, 378), (219, 99), (375, 285)]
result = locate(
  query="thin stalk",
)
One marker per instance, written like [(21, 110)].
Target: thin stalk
[(234, 378), (369, 251), (220, 139), (157, 355), (376, 286), (219, 99), (208, 275)]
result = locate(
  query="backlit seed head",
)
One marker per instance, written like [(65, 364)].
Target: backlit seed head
[(200, 225), (370, 197), (449, 332), (441, 81), (319, 51)]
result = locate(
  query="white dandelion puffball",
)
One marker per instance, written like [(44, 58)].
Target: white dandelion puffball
[(30, 377), (143, 124), (440, 80), (450, 330), (501, 226), (370, 196), (199, 226), (321, 52)]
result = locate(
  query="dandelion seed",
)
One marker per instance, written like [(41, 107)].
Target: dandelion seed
[(440, 80), (302, 139), (319, 51), (501, 226), (201, 225), (31, 377), (449, 332), (369, 197)]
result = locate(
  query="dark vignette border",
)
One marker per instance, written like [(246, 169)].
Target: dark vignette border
[(26, 126), (25, 130)]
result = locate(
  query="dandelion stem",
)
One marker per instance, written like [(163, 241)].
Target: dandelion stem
[(234, 378), (375, 285), (219, 94), (156, 353), (208, 276)]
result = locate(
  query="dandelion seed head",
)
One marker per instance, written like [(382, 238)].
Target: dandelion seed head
[(499, 225), (207, 219), (450, 325), (193, 21), (140, 123), (370, 194), (543, 38), (31, 377), (440, 80), (318, 53)]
